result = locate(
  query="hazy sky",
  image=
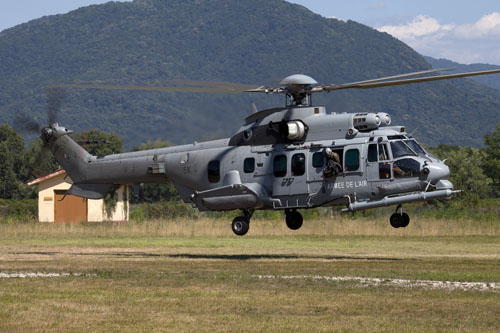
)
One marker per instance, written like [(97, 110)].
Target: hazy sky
[(464, 31)]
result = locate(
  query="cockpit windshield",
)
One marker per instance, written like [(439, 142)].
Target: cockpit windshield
[(415, 146), (400, 149)]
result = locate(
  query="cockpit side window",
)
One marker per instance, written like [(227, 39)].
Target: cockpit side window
[(406, 168)]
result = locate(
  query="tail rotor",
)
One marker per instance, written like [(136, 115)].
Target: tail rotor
[(41, 161)]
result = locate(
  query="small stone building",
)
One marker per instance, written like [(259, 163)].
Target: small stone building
[(73, 209)]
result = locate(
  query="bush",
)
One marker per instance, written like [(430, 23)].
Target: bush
[(162, 210), (18, 210)]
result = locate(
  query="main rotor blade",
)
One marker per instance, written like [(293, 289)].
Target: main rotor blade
[(399, 76), (225, 85), (146, 88), (368, 85)]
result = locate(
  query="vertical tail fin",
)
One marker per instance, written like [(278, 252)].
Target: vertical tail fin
[(70, 155)]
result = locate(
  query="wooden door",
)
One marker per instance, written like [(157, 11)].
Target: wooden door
[(70, 210)]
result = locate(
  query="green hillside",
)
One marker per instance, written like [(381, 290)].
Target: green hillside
[(149, 42)]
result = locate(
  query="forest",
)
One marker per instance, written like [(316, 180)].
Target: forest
[(259, 42)]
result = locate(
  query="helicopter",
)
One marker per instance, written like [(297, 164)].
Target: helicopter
[(288, 158)]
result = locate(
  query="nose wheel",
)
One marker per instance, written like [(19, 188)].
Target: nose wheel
[(241, 224), (399, 219), (293, 219)]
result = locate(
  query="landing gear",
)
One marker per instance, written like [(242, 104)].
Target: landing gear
[(399, 219), (241, 224), (293, 219)]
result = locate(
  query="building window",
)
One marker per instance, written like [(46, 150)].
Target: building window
[(372, 153), (249, 165), (298, 164), (318, 159), (352, 160), (279, 166), (214, 171)]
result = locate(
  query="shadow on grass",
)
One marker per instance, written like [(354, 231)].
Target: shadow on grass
[(237, 257)]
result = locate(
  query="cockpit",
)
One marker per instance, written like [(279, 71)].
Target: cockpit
[(402, 145), (399, 156)]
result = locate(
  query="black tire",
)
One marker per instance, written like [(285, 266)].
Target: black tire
[(240, 226), (294, 220), (396, 220), (405, 220)]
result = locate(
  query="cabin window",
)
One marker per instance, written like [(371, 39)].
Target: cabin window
[(372, 153), (352, 160), (298, 164), (214, 171), (405, 168), (249, 165), (279, 166), (318, 159)]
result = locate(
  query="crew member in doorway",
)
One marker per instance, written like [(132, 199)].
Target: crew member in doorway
[(333, 167)]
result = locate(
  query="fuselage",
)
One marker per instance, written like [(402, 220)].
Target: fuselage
[(279, 155)]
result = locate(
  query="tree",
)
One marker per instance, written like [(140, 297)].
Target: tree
[(15, 144), (40, 160), (466, 170), (153, 145), (492, 165), (98, 142), (13, 167), (9, 184)]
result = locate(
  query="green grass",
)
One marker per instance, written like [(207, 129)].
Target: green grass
[(165, 276)]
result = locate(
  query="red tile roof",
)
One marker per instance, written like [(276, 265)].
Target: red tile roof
[(49, 176)]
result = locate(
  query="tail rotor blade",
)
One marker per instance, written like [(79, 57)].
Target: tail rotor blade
[(25, 123)]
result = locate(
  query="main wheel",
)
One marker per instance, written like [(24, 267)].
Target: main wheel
[(396, 220), (240, 225), (405, 220), (294, 220)]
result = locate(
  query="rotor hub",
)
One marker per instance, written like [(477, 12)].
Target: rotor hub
[(298, 88), (47, 134)]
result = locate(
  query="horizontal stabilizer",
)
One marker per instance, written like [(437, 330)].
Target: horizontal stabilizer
[(89, 191)]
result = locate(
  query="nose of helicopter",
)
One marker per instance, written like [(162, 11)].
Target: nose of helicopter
[(437, 171)]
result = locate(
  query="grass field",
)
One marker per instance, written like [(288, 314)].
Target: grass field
[(344, 275)]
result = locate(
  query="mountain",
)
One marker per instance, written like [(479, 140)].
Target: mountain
[(492, 81), (150, 42)]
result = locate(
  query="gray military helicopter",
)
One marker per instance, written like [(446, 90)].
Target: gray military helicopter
[(286, 158)]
